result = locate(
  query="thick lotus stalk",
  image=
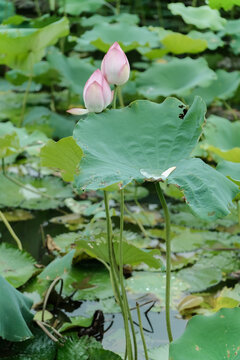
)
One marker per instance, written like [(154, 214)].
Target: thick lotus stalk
[(97, 95), (115, 66)]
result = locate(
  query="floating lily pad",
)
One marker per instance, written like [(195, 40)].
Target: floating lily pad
[(222, 138), (155, 283), (200, 277), (143, 150), (203, 17), (13, 195), (224, 87), (87, 283), (16, 266), (76, 322), (64, 155), (14, 326), (209, 337), (176, 77), (129, 37)]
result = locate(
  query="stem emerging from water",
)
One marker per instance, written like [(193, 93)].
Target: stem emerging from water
[(10, 229), (141, 331), (168, 258), (124, 295), (115, 278)]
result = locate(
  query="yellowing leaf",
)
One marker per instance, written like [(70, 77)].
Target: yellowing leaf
[(64, 155)]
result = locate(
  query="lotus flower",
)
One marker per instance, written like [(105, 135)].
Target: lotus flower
[(115, 66), (97, 95)]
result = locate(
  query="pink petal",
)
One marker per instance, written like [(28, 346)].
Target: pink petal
[(112, 64), (77, 111), (94, 99), (96, 76), (107, 93), (123, 75)]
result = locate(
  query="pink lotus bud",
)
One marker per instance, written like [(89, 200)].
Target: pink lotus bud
[(115, 66), (97, 95)]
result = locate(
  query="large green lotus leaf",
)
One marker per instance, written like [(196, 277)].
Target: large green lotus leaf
[(74, 72), (22, 48), (129, 37), (201, 184), (76, 7), (178, 43), (13, 195), (131, 254), (142, 141), (203, 17), (7, 9), (225, 4), (15, 313), (231, 170), (85, 348), (176, 77), (16, 266), (213, 337), (224, 87), (222, 137), (213, 40), (64, 155)]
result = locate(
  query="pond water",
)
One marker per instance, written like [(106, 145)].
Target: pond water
[(32, 233)]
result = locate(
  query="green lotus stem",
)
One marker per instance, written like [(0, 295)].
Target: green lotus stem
[(124, 295), (118, 6), (115, 277), (120, 97), (10, 229), (25, 98), (168, 258), (238, 210), (37, 6), (114, 97), (141, 331), (51, 287)]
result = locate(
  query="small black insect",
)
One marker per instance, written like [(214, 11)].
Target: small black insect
[(185, 110)]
